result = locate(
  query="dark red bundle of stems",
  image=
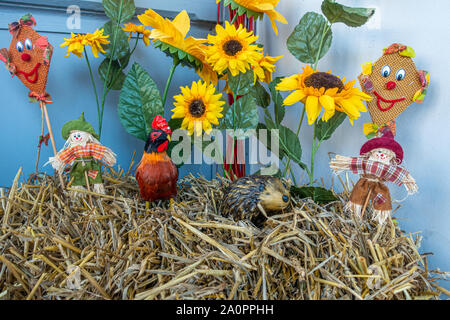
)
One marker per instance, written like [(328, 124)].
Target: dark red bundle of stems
[(232, 167)]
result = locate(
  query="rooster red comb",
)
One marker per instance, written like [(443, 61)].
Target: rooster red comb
[(161, 123)]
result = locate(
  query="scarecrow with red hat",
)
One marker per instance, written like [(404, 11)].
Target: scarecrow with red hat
[(379, 162)]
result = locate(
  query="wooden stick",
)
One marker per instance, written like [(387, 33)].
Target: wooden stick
[(52, 138), (89, 188), (365, 203), (40, 143)]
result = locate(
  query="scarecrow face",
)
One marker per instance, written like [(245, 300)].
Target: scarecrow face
[(392, 83), (382, 155), (78, 137), (26, 52)]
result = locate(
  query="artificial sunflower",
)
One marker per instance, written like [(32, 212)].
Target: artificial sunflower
[(170, 37), (257, 9), (133, 28), (322, 89), (233, 49), (265, 68), (199, 107), (77, 42)]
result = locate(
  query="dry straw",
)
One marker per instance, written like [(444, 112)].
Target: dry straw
[(54, 247)]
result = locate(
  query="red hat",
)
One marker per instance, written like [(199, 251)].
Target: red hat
[(387, 142)]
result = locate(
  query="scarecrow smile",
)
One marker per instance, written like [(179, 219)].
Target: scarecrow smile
[(392, 102), (31, 76)]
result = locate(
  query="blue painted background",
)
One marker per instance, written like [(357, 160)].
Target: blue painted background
[(71, 90)]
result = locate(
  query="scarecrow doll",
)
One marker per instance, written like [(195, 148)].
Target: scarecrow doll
[(379, 162), (394, 83), (84, 153)]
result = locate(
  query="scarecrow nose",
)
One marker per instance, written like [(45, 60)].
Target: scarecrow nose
[(25, 57), (390, 85)]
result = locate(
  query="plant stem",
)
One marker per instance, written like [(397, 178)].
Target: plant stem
[(288, 163), (122, 67), (105, 91), (169, 80), (324, 32), (93, 82)]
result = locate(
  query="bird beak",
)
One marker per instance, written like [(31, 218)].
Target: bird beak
[(168, 138)]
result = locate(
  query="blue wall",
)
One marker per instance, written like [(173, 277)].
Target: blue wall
[(71, 90)]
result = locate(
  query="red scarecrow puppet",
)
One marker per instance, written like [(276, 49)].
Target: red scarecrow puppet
[(379, 162), (28, 58), (394, 82)]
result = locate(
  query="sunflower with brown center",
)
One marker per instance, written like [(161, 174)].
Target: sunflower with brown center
[(322, 89), (199, 107), (233, 49)]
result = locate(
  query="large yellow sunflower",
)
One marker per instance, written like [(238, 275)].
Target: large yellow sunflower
[(170, 37), (233, 49), (322, 89), (257, 9), (199, 107), (76, 43)]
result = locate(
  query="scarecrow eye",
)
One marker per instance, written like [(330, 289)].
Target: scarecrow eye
[(28, 44), (386, 71), (19, 46), (400, 75)]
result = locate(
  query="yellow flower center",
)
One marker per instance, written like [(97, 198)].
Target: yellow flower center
[(197, 108), (324, 80), (232, 47)]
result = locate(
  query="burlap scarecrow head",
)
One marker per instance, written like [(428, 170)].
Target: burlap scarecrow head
[(394, 83), (28, 56), (78, 125)]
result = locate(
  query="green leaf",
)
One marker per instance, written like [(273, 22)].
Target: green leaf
[(290, 144), (175, 124), (241, 84), (279, 109), (272, 169), (324, 130), (304, 41), (318, 194), (114, 74), (139, 102), (242, 114), (122, 48), (267, 142), (260, 94), (119, 10), (352, 17)]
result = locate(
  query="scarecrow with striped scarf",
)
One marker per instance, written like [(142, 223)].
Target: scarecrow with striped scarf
[(84, 153), (379, 162)]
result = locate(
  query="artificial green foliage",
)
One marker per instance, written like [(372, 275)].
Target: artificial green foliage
[(352, 17), (118, 46), (115, 78), (267, 141), (279, 109), (241, 83), (119, 11), (317, 194), (261, 95), (323, 130), (139, 102), (308, 42), (242, 114)]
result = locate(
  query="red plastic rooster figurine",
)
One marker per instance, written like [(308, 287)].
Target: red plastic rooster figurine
[(156, 174)]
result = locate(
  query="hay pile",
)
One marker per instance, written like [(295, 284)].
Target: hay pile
[(118, 247)]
